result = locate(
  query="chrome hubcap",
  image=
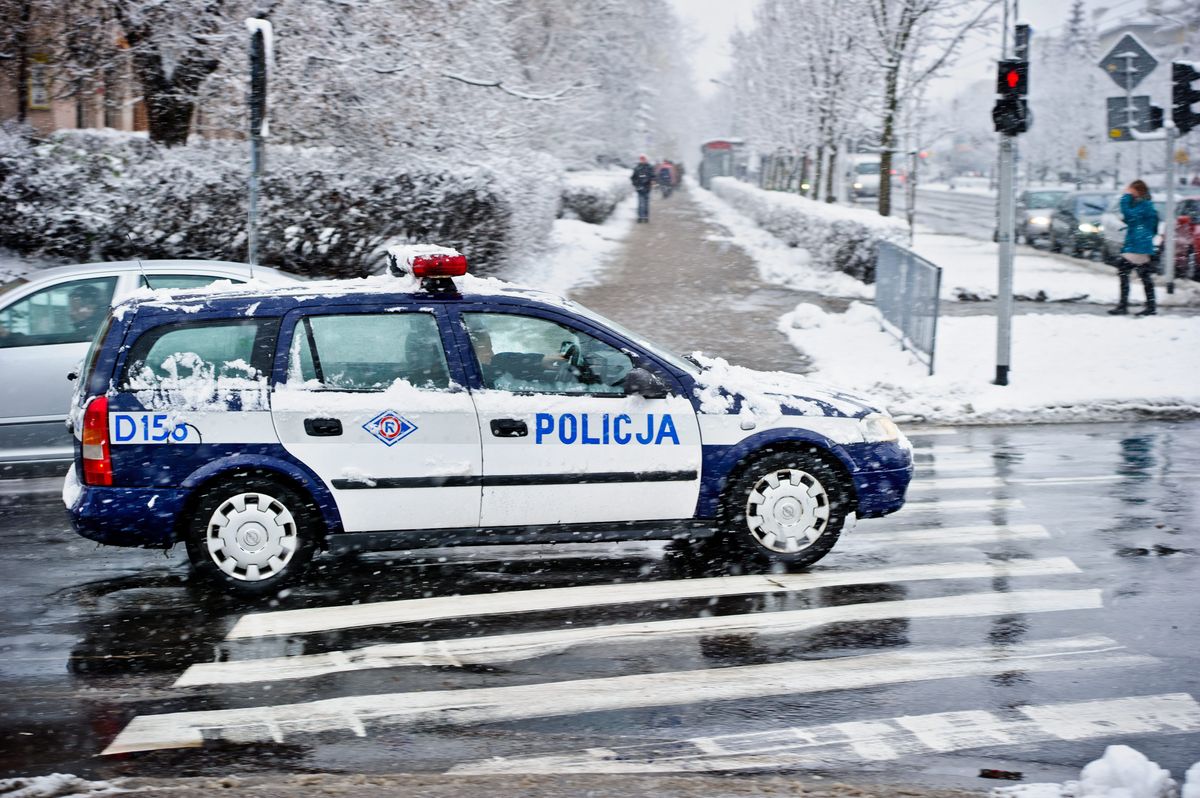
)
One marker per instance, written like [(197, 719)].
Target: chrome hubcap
[(252, 537), (787, 510)]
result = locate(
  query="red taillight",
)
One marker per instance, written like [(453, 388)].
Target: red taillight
[(97, 464), (439, 265)]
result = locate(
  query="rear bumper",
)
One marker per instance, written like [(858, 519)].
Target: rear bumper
[(143, 517)]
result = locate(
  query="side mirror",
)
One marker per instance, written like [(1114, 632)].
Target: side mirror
[(639, 382)]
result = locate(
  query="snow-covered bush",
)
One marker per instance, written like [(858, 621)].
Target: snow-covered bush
[(593, 196), (86, 195), (846, 238)]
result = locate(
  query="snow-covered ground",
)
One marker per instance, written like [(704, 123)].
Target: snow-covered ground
[(576, 253), (1064, 367)]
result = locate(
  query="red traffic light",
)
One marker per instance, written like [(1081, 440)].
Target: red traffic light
[(1012, 80)]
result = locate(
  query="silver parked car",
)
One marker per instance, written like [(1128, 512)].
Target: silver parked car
[(47, 320)]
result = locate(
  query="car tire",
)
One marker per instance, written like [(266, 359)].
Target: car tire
[(1054, 245), (253, 535), (785, 506)]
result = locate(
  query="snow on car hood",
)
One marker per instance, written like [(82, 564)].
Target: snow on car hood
[(767, 395)]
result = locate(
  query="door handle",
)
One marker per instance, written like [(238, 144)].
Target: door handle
[(509, 428), (323, 427)]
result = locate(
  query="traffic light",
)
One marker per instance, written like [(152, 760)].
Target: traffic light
[(1010, 114), (1156, 117), (1183, 75)]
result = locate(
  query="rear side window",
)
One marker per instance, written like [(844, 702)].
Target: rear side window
[(177, 281), (202, 363), (368, 352)]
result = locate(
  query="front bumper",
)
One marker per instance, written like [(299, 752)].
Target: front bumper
[(143, 517), (881, 477)]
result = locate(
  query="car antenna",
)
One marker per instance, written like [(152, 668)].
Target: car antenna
[(141, 268)]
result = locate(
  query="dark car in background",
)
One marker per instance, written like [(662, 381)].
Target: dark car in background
[(1076, 226)]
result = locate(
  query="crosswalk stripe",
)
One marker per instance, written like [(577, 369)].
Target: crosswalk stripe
[(513, 647), (877, 740), (952, 535), (348, 616), (496, 704), (955, 483), (961, 504), (938, 450), (917, 432), (955, 464)]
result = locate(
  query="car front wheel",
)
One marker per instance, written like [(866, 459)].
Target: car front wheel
[(786, 506), (252, 536)]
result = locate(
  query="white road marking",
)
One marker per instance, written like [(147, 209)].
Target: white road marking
[(942, 449), (1069, 480), (963, 504), (953, 535), (550, 699), (513, 647), (349, 616), (875, 740), (955, 483), (919, 432), (954, 464)]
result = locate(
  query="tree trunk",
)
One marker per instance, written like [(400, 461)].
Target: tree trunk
[(169, 101), (830, 186), (886, 141), (816, 183), (22, 41)]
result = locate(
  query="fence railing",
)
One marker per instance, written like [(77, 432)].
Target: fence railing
[(906, 293)]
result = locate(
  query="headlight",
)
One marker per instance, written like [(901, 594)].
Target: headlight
[(858, 185), (1090, 228), (1040, 221), (878, 428)]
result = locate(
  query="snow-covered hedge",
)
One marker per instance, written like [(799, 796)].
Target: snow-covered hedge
[(846, 238), (592, 196), (93, 195)]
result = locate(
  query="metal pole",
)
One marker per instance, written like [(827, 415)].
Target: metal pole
[(1004, 296), (1169, 232), (252, 222)]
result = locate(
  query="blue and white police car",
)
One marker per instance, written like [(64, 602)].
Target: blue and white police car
[(429, 407)]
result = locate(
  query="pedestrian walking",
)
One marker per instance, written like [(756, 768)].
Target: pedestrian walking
[(1141, 223), (666, 177), (643, 180)]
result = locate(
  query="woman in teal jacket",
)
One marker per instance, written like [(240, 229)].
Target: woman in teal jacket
[(1141, 224)]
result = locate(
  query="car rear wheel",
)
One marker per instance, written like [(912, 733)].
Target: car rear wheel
[(786, 506), (253, 536)]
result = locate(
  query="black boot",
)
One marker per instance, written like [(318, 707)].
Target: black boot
[(1122, 307), (1148, 284)]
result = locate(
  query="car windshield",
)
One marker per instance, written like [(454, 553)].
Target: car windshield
[(1091, 205), (678, 361), (867, 168), (1043, 199)]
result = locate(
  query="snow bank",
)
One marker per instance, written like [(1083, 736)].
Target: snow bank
[(56, 785), (576, 254), (82, 195), (1121, 773), (593, 196), (845, 238), (1064, 367)]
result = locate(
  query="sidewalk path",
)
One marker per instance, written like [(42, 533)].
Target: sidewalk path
[(673, 284)]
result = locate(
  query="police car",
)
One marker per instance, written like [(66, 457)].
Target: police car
[(260, 424)]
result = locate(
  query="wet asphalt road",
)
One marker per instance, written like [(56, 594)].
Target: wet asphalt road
[(845, 669)]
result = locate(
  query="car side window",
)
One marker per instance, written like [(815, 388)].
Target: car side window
[(178, 281), (526, 354), (368, 352), (66, 313), (202, 363)]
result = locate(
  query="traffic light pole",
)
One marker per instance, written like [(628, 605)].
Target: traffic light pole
[(1169, 211), (1004, 294)]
